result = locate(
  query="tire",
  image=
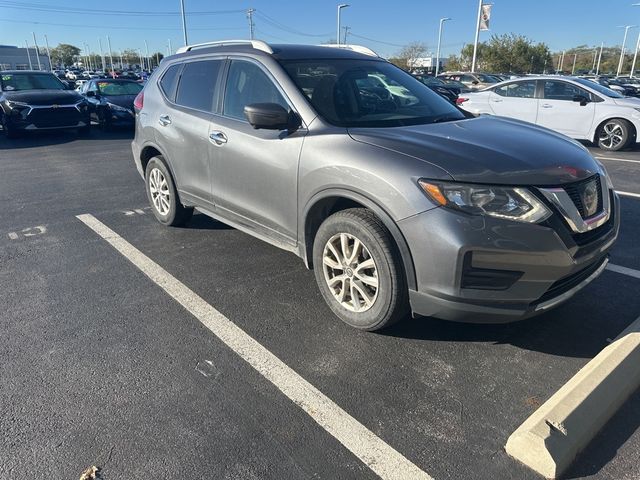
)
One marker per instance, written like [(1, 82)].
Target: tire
[(375, 276), (163, 196), (85, 131), (615, 134)]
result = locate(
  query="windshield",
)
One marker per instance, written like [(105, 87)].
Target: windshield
[(119, 88), (487, 78), (12, 82), (598, 88), (367, 93)]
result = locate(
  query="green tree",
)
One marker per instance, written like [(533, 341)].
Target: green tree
[(406, 58), (514, 53), (65, 54)]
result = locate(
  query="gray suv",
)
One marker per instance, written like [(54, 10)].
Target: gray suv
[(398, 200)]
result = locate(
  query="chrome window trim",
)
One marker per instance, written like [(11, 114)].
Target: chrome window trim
[(561, 200)]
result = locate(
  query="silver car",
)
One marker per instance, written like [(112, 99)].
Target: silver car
[(398, 206)]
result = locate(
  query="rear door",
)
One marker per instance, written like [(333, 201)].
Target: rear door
[(184, 126), (515, 100), (558, 111)]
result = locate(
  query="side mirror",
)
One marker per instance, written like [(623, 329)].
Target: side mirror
[(90, 93), (581, 99), (475, 82), (270, 116)]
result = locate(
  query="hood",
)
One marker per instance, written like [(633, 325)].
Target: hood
[(125, 101), (44, 97), (632, 102), (489, 150)]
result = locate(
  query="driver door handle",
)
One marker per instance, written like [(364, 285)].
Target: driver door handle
[(496, 100), (546, 105), (164, 120), (218, 137)]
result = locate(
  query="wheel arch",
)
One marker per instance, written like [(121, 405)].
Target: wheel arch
[(328, 202)]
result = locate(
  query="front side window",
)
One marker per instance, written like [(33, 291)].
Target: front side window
[(196, 88), (247, 84), (367, 93), (517, 90), (29, 81), (557, 90)]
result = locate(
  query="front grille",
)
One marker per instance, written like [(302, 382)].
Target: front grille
[(567, 283), (54, 117), (574, 190)]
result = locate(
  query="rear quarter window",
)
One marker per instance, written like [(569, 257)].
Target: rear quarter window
[(169, 81)]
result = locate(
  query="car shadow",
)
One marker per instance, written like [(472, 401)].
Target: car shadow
[(200, 221), (50, 138), (604, 447)]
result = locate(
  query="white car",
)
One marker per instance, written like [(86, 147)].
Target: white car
[(576, 107)]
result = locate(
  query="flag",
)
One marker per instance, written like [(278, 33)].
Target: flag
[(485, 16)]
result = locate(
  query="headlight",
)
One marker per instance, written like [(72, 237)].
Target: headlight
[(502, 202), (14, 104), (117, 108)]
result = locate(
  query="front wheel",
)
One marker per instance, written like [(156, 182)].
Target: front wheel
[(163, 196), (359, 270), (615, 134)]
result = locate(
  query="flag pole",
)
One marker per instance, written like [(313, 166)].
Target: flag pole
[(475, 44)]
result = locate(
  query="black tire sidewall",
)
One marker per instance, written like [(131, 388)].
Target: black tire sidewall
[(170, 217), (378, 315)]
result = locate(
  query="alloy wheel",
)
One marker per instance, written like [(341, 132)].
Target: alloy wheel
[(350, 272), (160, 193), (612, 135)]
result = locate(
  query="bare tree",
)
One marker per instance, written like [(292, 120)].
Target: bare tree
[(408, 56)]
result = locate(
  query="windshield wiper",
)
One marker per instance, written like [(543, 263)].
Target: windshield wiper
[(445, 119)]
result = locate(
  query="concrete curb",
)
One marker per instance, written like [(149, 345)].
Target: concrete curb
[(549, 440)]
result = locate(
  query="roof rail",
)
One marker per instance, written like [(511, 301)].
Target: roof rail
[(257, 44), (355, 48)]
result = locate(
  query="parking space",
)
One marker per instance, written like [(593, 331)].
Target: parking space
[(101, 366)]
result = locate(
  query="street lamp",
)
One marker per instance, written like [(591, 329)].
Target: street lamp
[(442, 20), (624, 42), (340, 7), (184, 23)]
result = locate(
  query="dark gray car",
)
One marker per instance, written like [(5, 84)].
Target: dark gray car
[(398, 200)]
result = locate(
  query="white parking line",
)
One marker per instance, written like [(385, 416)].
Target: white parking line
[(628, 194), (624, 270), (380, 457), (618, 159)]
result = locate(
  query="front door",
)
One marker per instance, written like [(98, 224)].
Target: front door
[(255, 172), (558, 111)]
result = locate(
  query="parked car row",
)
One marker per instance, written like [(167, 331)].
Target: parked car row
[(35, 100)]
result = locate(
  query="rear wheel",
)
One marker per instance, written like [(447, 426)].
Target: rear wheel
[(163, 196), (359, 270), (615, 134)]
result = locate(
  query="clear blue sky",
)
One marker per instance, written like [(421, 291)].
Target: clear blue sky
[(391, 23)]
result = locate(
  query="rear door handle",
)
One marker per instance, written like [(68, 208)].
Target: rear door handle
[(164, 120), (496, 100), (218, 137), (546, 105)]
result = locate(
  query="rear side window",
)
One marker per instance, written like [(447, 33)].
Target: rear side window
[(169, 81), (517, 90), (247, 84), (197, 85)]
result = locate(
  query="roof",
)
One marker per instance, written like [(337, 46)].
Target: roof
[(4, 72), (281, 51)]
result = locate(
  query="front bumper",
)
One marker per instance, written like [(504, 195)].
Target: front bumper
[(487, 270), (47, 118)]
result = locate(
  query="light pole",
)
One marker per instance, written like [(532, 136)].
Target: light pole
[(595, 58), (35, 42), (599, 58), (184, 23), (635, 56), (113, 73), (442, 20), (29, 55), (104, 64), (475, 43), (251, 24), (573, 69), (146, 49), (624, 42), (46, 42), (340, 7), (170, 48)]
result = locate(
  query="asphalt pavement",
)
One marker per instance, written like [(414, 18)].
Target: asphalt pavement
[(99, 366)]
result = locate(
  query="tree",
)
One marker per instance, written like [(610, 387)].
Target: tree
[(514, 53), (406, 58), (65, 54)]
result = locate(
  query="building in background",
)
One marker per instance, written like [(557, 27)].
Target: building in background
[(16, 58), (426, 64)]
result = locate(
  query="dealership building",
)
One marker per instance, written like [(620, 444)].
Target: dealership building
[(16, 58)]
